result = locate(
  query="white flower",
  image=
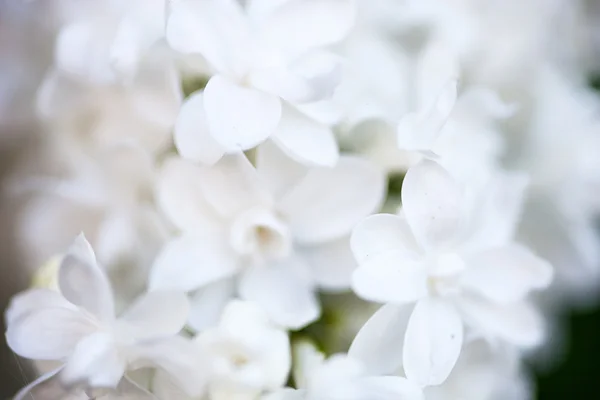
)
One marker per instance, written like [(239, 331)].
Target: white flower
[(453, 256), (341, 378), (105, 41), (265, 63), (277, 232), (247, 356), (78, 327)]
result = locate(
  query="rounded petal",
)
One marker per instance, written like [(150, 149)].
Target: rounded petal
[(379, 343), (157, 314), (305, 140), (385, 388), (83, 283), (33, 300), (331, 264), (433, 341), (233, 185), (180, 196), (278, 171), (315, 218), (432, 202), (506, 274), (208, 302), (192, 137), (391, 277), (518, 323), (95, 363), (331, 21), (48, 333), (380, 233), (239, 118), (189, 262), (283, 292)]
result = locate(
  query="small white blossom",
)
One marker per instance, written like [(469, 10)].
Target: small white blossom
[(454, 258), (247, 355), (78, 327), (276, 232), (265, 65)]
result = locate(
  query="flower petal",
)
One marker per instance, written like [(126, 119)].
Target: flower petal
[(305, 140), (331, 264), (278, 171), (95, 363), (433, 341), (286, 28), (33, 300), (432, 203), (192, 137), (314, 218), (157, 314), (48, 333), (283, 292), (384, 388), (380, 233), (189, 262), (83, 283), (506, 274), (239, 118), (379, 343), (390, 277), (47, 386), (179, 193), (207, 304), (518, 323), (233, 185)]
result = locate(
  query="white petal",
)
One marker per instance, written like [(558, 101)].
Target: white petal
[(355, 189), (157, 314), (331, 21), (233, 185), (432, 203), (419, 131), (313, 77), (83, 283), (380, 233), (283, 293), (285, 394), (189, 262), (391, 277), (239, 118), (379, 343), (506, 274), (192, 137), (306, 140), (33, 300), (518, 323), (385, 388), (207, 304), (165, 387), (278, 171), (215, 29), (433, 342), (331, 264), (95, 362), (129, 390), (48, 333), (180, 196), (183, 361)]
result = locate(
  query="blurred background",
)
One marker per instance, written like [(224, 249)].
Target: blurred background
[(24, 56)]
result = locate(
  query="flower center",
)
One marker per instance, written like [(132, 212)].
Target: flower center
[(444, 274), (261, 235)]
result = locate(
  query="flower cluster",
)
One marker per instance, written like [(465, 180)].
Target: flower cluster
[(243, 170)]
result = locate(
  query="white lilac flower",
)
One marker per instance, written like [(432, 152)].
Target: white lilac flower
[(275, 233), (266, 66), (340, 377), (105, 41), (247, 356), (451, 254), (78, 327)]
